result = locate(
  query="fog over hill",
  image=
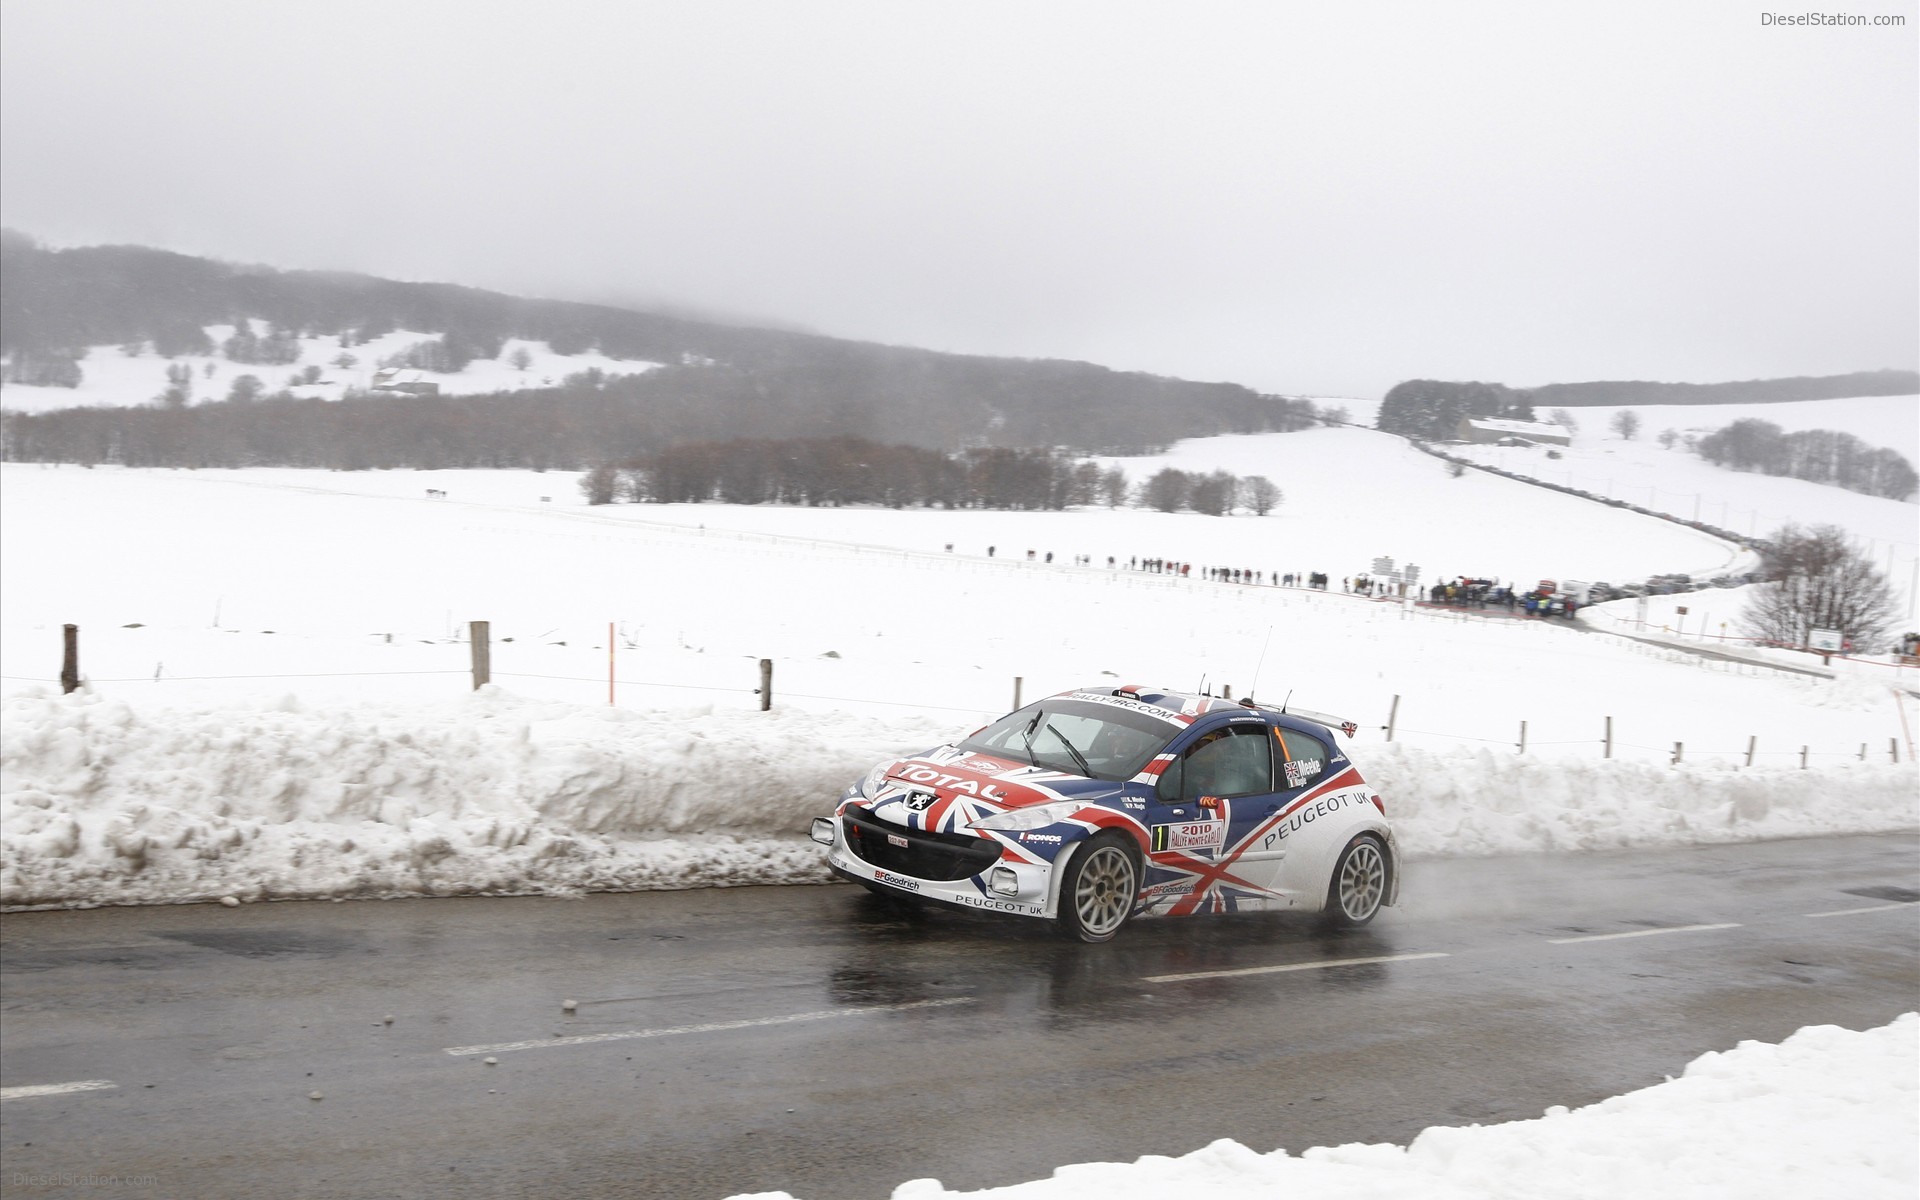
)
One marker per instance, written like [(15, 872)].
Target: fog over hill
[(723, 379)]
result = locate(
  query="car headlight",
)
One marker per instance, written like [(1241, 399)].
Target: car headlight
[(874, 778), (1038, 816)]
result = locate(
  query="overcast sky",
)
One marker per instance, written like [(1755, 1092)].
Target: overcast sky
[(1305, 197)]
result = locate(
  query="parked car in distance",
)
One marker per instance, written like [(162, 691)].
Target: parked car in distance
[(1098, 806)]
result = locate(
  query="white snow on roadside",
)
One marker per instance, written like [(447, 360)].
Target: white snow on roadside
[(104, 803), (109, 803), (1829, 1112)]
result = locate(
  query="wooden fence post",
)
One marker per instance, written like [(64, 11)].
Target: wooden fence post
[(1753, 740), (1893, 748), (1393, 714), (766, 684), (609, 659), (481, 647), (1606, 740), (1017, 680), (1523, 737), (70, 659), (1677, 751), (1803, 758)]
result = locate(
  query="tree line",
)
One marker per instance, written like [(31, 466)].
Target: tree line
[(1430, 409), (1816, 455), (830, 472), (592, 418), (1750, 391)]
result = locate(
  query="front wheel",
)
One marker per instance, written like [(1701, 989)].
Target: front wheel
[(1359, 883), (1098, 892)]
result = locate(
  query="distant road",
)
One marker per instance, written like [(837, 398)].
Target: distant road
[(817, 1040)]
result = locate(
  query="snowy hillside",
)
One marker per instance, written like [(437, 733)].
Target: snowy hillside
[(1676, 481), (111, 378)]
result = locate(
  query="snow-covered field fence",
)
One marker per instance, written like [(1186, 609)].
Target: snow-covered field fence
[(589, 674), (1419, 720)]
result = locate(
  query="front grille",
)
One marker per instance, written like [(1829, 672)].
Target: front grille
[(944, 857)]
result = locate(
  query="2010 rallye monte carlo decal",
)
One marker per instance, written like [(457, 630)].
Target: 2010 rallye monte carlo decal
[(1093, 807)]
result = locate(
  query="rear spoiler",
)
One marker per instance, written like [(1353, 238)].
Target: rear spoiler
[(1328, 719), (1331, 722)]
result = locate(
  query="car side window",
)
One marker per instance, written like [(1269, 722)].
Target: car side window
[(1303, 758), (1234, 761)]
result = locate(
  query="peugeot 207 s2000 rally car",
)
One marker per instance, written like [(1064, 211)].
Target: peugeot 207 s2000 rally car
[(1094, 806)]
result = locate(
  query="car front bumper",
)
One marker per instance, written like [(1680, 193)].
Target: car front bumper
[(1007, 886)]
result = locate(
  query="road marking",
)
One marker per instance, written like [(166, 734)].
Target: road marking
[(1306, 966), (711, 1027), (55, 1089), (1611, 937), (1848, 912)]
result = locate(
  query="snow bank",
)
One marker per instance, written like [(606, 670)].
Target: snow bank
[(1467, 803), (1827, 1113), (105, 803)]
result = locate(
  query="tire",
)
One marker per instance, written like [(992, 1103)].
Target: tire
[(1359, 884), (1100, 888)]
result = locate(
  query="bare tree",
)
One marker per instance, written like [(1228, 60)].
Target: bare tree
[(1564, 419), (1818, 579), (1083, 484), (1212, 493), (600, 484), (1667, 438), (1626, 423), (1167, 490), (1113, 486), (1260, 494)]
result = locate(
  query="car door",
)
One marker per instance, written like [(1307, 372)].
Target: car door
[(1300, 760), (1209, 801)]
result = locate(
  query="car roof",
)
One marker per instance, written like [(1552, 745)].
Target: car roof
[(1199, 704)]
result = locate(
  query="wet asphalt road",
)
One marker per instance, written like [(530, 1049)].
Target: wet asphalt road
[(817, 1040)]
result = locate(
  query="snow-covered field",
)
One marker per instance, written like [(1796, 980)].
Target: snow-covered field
[(1829, 1112), (280, 704), (111, 378), (1350, 495)]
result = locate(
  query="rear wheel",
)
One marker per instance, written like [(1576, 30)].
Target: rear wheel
[(1359, 884), (1097, 893)]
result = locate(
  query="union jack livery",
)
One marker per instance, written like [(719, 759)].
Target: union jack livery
[(1096, 806)]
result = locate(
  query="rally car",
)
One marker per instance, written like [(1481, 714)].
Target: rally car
[(1093, 807)]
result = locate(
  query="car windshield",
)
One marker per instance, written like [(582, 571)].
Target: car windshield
[(1076, 736)]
